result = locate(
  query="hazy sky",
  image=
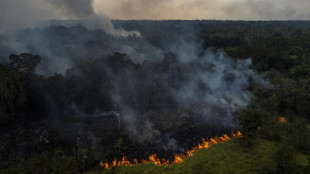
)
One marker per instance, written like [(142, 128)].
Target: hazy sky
[(26, 11), (205, 9)]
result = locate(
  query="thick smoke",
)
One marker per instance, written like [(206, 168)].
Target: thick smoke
[(58, 45), (189, 85), (15, 14), (209, 88), (76, 9), (83, 9)]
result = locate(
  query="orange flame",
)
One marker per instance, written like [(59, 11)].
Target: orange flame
[(178, 158), (283, 120)]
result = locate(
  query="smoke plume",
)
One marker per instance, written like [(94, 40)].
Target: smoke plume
[(17, 14), (164, 83), (83, 9), (76, 9)]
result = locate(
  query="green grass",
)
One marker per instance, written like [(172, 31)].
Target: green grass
[(224, 158), (227, 158)]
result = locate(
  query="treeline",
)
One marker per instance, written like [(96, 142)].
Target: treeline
[(285, 57)]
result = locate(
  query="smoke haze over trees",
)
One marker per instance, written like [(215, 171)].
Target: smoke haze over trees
[(76, 84), (156, 78)]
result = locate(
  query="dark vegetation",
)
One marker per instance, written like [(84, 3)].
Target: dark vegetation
[(34, 140)]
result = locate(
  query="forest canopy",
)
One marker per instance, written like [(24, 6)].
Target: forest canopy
[(80, 96)]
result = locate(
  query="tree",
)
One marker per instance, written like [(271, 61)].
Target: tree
[(12, 95), (286, 159), (25, 63), (250, 123)]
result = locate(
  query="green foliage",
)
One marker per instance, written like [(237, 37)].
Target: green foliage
[(250, 123), (224, 158), (271, 128), (286, 159), (89, 159), (297, 133), (47, 162), (55, 162)]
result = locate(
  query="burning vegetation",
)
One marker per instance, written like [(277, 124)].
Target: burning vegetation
[(178, 158), (283, 120)]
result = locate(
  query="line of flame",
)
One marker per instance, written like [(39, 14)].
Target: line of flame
[(178, 158)]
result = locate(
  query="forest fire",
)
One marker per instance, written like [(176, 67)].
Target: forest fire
[(178, 158), (283, 120)]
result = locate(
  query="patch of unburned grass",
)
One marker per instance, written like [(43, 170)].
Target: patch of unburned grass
[(228, 157)]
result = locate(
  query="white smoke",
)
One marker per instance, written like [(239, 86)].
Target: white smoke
[(16, 14), (83, 9)]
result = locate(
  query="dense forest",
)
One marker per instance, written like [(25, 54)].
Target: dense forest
[(72, 97)]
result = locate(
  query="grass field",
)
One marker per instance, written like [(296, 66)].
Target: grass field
[(224, 158), (228, 157)]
